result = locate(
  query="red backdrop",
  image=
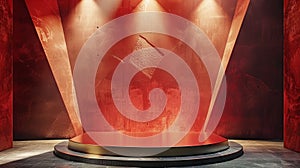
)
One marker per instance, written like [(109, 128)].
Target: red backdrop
[(292, 75), (5, 74), (254, 76)]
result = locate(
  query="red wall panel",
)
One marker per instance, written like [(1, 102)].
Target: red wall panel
[(5, 75), (292, 75), (39, 111)]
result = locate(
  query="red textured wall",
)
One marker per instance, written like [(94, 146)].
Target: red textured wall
[(254, 107), (5, 74), (292, 75), (254, 101)]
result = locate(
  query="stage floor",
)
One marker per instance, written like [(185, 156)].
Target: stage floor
[(39, 153)]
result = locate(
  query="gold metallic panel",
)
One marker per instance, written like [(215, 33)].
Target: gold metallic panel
[(238, 17), (46, 19)]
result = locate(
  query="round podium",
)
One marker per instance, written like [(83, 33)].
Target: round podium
[(186, 153)]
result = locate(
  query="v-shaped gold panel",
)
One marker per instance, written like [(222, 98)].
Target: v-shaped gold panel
[(237, 20), (46, 19)]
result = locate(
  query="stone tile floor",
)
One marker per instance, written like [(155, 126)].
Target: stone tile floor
[(39, 154)]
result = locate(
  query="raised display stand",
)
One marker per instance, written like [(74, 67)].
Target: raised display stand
[(83, 149)]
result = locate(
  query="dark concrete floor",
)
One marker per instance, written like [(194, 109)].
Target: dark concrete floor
[(257, 154)]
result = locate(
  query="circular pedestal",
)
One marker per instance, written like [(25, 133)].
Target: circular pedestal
[(216, 149)]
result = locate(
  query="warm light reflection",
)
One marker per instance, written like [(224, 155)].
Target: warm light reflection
[(82, 20), (148, 5), (108, 8), (210, 3), (210, 16), (145, 41), (89, 12)]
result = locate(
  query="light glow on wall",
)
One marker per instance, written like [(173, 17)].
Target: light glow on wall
[(209, 16)]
